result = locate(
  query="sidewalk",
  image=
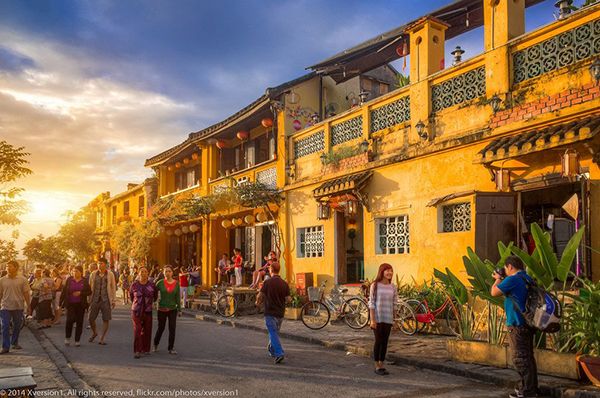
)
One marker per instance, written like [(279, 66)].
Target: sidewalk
[(421, 350)]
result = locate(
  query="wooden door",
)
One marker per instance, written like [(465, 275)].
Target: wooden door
[(495, 220)]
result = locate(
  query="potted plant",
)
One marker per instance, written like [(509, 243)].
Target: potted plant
[(294, 307)]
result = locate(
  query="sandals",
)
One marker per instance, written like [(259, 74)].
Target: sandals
[(102, 342), (381, 372), (91, 339)]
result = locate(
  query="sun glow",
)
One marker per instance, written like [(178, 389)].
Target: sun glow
[(51, 206)]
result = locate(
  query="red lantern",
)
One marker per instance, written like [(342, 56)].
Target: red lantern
[(170, 168), (242, 135), (267, 122), (177, 165), (195, 156), (220, 144), (186, 161), (297, 125)]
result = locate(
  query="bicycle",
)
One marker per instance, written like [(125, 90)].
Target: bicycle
[(221, 302), (424, 315), (316, 313), (404, 317)]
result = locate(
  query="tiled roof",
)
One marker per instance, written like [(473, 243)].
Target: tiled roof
[(539, 139), (343, 184)]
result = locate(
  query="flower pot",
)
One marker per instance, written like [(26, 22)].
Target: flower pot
[(292, 313), (591, 367)]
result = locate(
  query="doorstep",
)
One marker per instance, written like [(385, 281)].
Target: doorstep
[(421, 351)]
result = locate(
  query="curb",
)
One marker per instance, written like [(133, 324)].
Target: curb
[(66, 369), (487, 374)]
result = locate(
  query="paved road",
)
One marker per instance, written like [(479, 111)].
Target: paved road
[(221, 358)]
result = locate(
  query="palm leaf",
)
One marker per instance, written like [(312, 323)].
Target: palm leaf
[(568, 255), (547, 255)]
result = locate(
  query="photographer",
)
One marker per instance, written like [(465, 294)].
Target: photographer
[(511, 281)]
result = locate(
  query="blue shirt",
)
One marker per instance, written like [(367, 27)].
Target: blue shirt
[(515, 290)]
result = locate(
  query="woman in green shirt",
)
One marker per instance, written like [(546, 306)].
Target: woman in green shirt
[(168, 307)]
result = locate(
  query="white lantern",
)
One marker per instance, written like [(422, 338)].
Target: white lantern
[(249, 219), (237, 222), (177, 232), (261, 217), (169, 232), (226, 223), (185, 229), (194, 228)]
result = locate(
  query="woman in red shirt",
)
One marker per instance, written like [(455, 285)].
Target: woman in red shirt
[(183, 286)]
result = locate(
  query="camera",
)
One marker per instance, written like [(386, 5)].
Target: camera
[(501, 272)]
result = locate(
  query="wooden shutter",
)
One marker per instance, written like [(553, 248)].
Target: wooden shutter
[(495, 220)]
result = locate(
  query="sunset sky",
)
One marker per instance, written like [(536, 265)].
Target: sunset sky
[(92, 88)]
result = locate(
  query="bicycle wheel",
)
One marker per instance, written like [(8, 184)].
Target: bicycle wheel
[(227, 305), (355, 312), (213, 298), (315, 315), (451, 314), (404, 318), (418, 308)]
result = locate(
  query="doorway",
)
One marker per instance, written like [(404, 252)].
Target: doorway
[(349, 247)]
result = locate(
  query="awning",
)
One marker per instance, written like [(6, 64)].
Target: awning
[(350, 183), (539, 140), (442, 199)]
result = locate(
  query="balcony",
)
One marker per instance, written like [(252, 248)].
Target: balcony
[(265, 173)]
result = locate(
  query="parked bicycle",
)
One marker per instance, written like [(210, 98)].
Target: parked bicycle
[(448, 310), (222, 302), (315, 314), (404, 316)]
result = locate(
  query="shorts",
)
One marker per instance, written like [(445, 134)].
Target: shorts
[(104, 307), (57, 300)]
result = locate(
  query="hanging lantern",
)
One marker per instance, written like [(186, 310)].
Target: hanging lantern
[(267, 122), (185, 229), (297, 125), (220, 144), (177, 232), (323, 211), (226, 223), (169, 232), (570, 163), (195, 155), (170, 168), (502, 180), (194, 228), (261, 217), (186, 161), (242, 135), (237, 222), (351, 207), (249, 219), (177, 165)]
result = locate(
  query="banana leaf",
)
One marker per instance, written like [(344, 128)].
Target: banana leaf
[(568, 255), (504, 251), (547, 255), (534, 268), (459, 289)]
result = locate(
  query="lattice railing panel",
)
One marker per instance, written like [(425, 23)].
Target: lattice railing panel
[(390, 114), (308, 145), (346, 131), (465, 87)]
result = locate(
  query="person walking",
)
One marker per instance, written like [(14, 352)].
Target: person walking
[(238, 263), (143, 294), (169, 306), (35, 285), (14, 296), (382, 299), (103, 295), (514, 287), (275, 293), (43, 313), (125, 282), (74, 297), (58, 288), (183, 286)]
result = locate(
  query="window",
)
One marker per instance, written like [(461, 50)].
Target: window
[(114, 214), (187, 178), (393, 235), (141, 206), (456, 217), (126, 208), (99, 218), (311, 242)]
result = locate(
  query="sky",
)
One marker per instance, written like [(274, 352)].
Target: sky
[(92, 88)]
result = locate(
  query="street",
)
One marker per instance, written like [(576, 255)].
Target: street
[(220, 358)]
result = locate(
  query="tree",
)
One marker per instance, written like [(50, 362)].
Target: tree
[(8, 251), (134, 240), (77, 234), (47, 251), (13, 165)]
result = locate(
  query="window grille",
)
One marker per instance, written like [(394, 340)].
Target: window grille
[(311, 242), (393, 235), (456, 217)]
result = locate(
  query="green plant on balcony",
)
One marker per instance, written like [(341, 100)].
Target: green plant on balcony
[(344, 152), (402, 80)]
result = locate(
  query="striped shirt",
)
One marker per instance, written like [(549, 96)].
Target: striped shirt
[(384, 303)]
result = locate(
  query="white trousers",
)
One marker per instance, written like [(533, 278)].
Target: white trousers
[(238, 276)]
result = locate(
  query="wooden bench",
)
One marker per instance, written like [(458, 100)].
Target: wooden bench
[(17, 382)]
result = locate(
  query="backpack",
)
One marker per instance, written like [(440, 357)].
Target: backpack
[(542, 309)]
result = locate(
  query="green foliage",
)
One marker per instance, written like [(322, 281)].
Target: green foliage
[(480, 273), (543, 264), (254, 194), (496, 322), (77, 234), (436, 295), (581, 320), (47, 251), (13, 166), (453, 285), (133, 240), (296, 301), (402, 80), (334, 157), (8, 251)]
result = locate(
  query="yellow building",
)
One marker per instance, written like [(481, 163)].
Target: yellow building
[(465, 155), (132, 205)]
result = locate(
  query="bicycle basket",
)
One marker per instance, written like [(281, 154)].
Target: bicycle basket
[(314, 293)]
